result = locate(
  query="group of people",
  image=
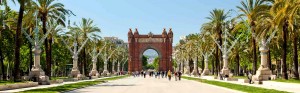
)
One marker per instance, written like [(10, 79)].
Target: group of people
[(158, 74)]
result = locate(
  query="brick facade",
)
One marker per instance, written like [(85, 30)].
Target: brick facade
[(139, 43)]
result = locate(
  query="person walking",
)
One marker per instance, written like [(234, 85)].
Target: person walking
[(250, 78), (175, 75), (158, 74), (179, 75), (144, 74), (169, 75)]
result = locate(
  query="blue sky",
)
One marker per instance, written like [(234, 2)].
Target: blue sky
[(115, 17)]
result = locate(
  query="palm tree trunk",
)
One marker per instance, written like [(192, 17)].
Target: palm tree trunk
[(49, 65), (295, 57), (30, 51), (84, 62), (220, 56), (217, 60), (48, 60), (237, 64), (2, 57), (1, 61), (254, 56), (254, 67), (213, 67), (30, 56), (284, 53), (16, 71), (202, 63)]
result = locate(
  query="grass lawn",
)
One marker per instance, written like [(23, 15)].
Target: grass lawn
[(56, 78), (288, 81), (68, 87), (8, 82), (244, 88)]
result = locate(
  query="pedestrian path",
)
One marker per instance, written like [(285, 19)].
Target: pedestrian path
[(289, 87), (153, 85), (47, 86)]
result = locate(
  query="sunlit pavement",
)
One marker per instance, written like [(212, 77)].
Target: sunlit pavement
[(153, 85)]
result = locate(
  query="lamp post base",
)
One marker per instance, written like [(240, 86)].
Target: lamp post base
[(38, 75), (105, 73), (263, 73), (225, 72), (205, 72), (75, 73)]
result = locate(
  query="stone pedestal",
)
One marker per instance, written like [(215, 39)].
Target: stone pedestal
[(37, 72), (113, 68), (263, 72), (105, 71), (195, 71), (225, 71), (94, 71), (118, 69), (182, 67), (205, 70), (75, 70), (187, 68)]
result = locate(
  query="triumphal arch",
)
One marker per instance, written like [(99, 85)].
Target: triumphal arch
[(139, 43)]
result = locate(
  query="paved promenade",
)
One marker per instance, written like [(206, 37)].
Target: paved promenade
[(153, 85), (289, 87)]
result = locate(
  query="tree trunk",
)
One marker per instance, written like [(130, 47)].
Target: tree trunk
[(284, 51), (270, 60), (254, 67), (254, 56), (30, 56), (16, 71), (84, 62), (49, 65), (217, 60), (1, 61), (220, 52), (213, 67), (202, 63), (237, 64), (295, 57), (47, 47)]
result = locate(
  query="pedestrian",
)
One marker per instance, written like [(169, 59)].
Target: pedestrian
[(144, 74), (169, 75), (250, 78), (175, 75), (179, 75), (166, 74), (162, 74), (158, 74)]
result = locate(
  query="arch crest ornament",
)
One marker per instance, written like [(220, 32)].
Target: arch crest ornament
[(138, 43)]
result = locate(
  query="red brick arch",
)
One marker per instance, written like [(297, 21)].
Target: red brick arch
[(138, 44)]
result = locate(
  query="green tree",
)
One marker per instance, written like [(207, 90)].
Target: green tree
[(252, 10), (145, 61), (218, 18), (48, 9), (88, 30), (285, 12)]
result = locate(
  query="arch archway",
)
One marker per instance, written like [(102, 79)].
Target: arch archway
[(139, 43)]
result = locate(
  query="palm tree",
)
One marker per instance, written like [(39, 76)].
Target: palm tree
[(16, 71), (88, 30), (252, 9), (48, 9), (285, 12), (217, 18)]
